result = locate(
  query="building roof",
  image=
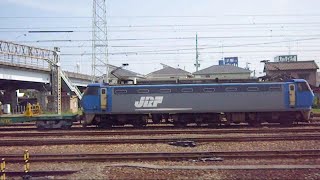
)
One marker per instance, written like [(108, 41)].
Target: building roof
[(296, 65), (222, 69), (168, 71), (123, 72)]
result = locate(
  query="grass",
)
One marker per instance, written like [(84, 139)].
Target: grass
[(316, 110)]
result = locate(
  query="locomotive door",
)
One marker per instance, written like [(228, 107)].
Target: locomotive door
[(103, 98), (292, 95)]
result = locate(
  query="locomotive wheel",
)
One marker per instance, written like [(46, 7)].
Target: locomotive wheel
[(177, 122), (286, 123), (253, 120), (140, 122), (66, 127), (62, 124), (254, 123), (156, 118), (104, 125), (214, 125), (199, 121)]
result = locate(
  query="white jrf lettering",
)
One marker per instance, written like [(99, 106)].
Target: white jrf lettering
[(148, 101)]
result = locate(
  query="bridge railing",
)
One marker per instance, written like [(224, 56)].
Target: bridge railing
[(25, 55), (71, 86), (19, 109)]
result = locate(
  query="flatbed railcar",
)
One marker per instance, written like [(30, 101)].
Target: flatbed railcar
[(42, 121), (211, 104)]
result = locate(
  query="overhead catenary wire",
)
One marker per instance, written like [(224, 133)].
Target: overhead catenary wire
[(233, 45), (265, 29), (163, 16), (169, 53), (220, 25), (122, 47), (173, 38)]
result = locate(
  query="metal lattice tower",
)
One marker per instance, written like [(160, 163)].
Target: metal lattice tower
[(99, 40)]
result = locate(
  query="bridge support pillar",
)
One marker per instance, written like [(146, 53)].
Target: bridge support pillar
[(11, 97), (14, 100), (42, 99)]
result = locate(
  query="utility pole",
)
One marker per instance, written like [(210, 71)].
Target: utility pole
[(247, 65), (99, 40), (197, 55), (56, 81)]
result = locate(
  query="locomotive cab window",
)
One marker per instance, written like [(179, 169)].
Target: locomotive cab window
[(103, 91), (91, 91), (291, 88), (302, 86)]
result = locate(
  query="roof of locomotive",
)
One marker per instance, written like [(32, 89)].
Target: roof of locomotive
[(173, 85)]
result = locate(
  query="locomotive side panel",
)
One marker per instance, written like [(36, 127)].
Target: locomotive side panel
[(199, 99)]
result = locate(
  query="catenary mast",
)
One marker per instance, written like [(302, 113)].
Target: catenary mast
[(99, 40)]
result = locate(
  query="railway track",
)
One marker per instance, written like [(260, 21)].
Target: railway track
[(151, 140), (201, 156), (78, 126), (149, 127), (156, 132), (38, 173)]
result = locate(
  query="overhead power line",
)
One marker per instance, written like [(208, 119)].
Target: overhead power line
[(177, 53), (130, 28), (50, 31), (172, 38), (167, 16), (268, 24), (204, 47), (264, 29), (167, 51), (185, 45)]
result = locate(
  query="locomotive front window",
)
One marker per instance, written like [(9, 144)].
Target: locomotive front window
[(91, 91), (302, 86)]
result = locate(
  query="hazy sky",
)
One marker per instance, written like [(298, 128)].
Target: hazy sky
[(145, 33)]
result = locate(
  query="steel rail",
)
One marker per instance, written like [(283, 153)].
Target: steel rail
[(5, 128), (157, 132), (39, 173), (149, 140), (202, 156)]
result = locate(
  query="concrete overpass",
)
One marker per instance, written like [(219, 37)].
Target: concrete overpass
[(31, 77), (25, 74), (28, 67), (20, 76)]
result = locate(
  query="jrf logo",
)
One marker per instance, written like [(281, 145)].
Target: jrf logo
[(148, 101)]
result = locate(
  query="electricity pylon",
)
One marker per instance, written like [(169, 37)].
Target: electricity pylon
[(99, 40)]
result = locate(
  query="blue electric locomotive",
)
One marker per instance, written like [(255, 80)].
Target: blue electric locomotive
[(182, 104)]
